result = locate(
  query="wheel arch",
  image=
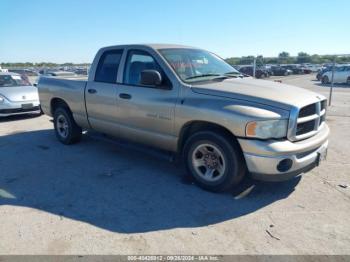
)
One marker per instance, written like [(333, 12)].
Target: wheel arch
[(57, 102), (193, 127)]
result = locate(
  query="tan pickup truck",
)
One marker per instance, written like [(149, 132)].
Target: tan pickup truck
[(191, 102)]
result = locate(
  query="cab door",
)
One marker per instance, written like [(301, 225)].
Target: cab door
[(101, 93), (146, 113)]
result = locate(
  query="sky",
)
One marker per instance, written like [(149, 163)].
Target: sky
[(73, 30)]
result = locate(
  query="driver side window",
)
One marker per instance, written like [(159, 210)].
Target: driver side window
[(138, 61)]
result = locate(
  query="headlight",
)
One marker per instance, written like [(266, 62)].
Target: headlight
[(2, 99), (267, 129)]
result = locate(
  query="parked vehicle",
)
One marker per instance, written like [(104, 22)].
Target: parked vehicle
[(191, 102), (26, 72), (341, 75), (4, 70), (280, 71), (311, 68), (296, 69), (268, 69), (17, 95), (249, 70), (306, 70), (322, 71), (57, 73), (81, 71)]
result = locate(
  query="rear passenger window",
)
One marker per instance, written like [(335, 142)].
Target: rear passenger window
[(107, 68)]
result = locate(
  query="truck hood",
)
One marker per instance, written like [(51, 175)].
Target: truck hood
[(20, 93), (260, 91)]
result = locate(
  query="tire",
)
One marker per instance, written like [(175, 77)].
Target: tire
[(262, 76), (285, 73), (67, 131), (214, 161), (348, 81), (325, 80)]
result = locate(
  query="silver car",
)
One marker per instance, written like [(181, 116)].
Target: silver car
[(17, 95)]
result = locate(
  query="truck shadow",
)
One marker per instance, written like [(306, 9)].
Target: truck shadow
[(116, 188), (17, 117)]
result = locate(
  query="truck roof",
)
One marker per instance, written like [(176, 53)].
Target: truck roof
[(153, 46)]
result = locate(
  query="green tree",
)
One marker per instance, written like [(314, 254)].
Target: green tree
[(284, 57), (233, 60), (303, 58), (260, 60), (246, 60)]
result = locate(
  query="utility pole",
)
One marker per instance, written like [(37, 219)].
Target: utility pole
[(332, 84), (254, 67)]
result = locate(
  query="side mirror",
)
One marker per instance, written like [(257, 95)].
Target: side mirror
[(151, 78)]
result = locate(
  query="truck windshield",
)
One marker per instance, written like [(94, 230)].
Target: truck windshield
[(13, 80), (197, 65)]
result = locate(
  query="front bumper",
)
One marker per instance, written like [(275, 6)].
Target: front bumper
[(263, 157), (19, 108)]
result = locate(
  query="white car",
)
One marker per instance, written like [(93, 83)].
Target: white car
[(313, 67), (341, 75)]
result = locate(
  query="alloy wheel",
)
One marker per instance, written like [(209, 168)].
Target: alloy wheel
[(208, 162)]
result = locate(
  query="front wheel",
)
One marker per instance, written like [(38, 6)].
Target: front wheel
[(67, 131), (214, 161)]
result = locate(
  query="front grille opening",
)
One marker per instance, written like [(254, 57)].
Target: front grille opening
[(307, 110), (309, 128), (306, 127)]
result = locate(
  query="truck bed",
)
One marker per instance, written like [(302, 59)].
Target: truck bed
[(69, 89)]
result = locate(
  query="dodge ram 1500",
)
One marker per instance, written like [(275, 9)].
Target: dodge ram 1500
[(191, 102)]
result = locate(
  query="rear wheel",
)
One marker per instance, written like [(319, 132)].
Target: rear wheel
[(325, 80), (214, 161), (67, 131)]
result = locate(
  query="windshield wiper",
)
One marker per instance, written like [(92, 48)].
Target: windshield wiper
[(204, 75)]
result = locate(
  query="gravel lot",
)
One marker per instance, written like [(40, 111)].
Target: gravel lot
[(98, 197)]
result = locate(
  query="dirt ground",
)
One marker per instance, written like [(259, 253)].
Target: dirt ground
[(98, 197)]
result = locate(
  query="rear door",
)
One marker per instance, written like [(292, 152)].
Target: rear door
[(101, 93)]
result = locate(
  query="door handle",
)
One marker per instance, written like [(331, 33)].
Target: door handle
[(125, 96), (92, 91)]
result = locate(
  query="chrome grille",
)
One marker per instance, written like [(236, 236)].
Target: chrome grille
[(307, 110), (309, 120), (305, 127)]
